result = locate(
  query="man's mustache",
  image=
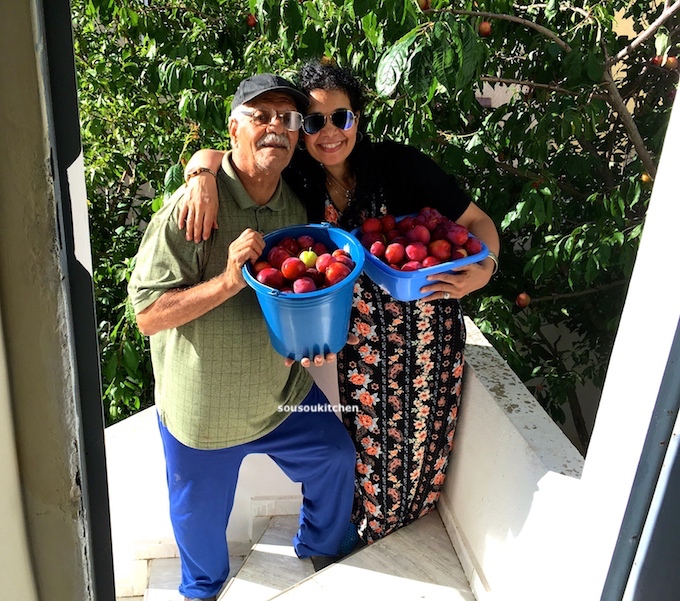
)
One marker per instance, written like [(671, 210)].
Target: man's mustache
[(272, 139)]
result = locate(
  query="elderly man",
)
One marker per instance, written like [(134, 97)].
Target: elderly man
[(218, 380)]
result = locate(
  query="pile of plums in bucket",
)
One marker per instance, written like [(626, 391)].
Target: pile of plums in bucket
[(302, 264), (417, 241)]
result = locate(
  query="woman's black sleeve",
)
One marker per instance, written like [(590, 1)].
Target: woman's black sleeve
[(416, 181)]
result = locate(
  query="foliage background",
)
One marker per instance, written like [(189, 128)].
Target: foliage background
[(564, 167)]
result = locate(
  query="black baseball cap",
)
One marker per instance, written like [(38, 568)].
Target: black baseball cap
[(262, 83)]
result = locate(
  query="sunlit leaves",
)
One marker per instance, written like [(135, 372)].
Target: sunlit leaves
[(174, 178), (448, 48), (394, 64), (552, 164)]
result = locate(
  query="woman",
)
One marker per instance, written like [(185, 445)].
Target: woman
[(405, 372)]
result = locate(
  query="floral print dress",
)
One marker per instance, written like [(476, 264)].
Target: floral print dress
[(403, 383)]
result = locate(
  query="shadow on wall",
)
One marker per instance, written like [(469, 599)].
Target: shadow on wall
[(509, 463)]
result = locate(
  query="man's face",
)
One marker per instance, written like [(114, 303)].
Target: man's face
[(263, 149)]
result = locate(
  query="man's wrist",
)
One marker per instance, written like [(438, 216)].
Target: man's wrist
[(232, 282)]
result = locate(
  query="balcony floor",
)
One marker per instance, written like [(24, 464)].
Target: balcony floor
[(417, 562)]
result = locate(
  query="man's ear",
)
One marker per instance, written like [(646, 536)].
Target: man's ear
[(233, 126)]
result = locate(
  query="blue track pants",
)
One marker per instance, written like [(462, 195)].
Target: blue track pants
[(311, 447)]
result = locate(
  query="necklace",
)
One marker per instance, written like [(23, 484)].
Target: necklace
[(333, 183)]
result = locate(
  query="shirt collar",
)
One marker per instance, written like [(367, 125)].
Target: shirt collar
[(276, 203)]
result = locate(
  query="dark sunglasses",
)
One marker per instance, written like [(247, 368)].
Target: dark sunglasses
[(315, 122)]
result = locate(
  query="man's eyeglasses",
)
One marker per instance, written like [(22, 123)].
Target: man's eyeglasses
[(292, 120), (315, 122)]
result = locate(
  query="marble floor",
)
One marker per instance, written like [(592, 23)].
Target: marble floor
[(164, 577), (416, 562), (272, 566)]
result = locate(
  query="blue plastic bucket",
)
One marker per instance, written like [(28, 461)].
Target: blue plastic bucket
[(406, 285), (313, 323)]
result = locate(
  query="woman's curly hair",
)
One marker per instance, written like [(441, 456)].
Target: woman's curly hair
[(326, 75)]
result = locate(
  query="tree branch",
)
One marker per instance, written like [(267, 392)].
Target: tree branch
[(556, 297), (575, 9), (619, 105), (530, 175), (579, 420), (531, 84), (543, 86), (544, 31), (668, 11)]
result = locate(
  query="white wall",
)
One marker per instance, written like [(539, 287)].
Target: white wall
[(511, 476), (641, 350), (16, 572), (39, 424), (140, 523), (527, 523)]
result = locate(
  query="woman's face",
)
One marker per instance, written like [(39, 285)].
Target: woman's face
[(331, 145)]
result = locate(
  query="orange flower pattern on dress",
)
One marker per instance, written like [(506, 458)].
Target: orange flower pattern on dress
[(363, 329), (364, 308), (366, 421), (356, 378), (331, 213), (371, 358), (365, 398), (404, 377)]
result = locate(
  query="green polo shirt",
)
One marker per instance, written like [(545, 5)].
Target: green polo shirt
[(219, 382)]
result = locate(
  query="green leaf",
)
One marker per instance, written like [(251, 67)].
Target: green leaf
[(591, 270), (471, 58), (312, 12), (635, 232), (110, 367), (594, 68), (661, 41), (369, 24), (174, 178), (551, 9), (185, 103), (393, 64), (538, 211), (537, 269), (130, 358), (573, 64)]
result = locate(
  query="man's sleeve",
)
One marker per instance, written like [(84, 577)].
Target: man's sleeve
[(166, 260)]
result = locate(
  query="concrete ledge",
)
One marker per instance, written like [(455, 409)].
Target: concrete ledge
[(508, 461)]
